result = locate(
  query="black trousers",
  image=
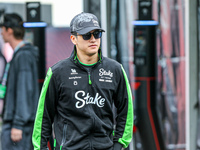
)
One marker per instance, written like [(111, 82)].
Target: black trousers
[(24, 144)]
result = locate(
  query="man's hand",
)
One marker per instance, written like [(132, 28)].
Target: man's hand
[(16, 135)]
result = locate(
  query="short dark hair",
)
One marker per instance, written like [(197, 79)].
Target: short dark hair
[(15, 22)]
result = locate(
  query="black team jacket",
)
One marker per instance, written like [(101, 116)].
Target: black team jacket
[(22, 93), (78, 100)]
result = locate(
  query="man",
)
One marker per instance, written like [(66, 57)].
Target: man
[(2, 57), (2, 68), (22, 89), (78, 96), (2, 65)]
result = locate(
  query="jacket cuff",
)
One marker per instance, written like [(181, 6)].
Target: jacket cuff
[(17, 127), (117, 146)]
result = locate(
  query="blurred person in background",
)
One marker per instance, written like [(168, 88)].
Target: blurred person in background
[(2, 57), (2, 65), (22, 88), (78, 95), (2, 69)]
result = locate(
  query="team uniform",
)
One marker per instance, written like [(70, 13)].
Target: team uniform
[(77, 99)]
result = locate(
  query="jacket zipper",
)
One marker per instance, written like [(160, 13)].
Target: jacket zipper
[(64, 136), (54, 144), (89, 75)]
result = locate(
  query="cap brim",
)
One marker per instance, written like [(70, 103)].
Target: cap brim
[(88, 29), (1, 20)]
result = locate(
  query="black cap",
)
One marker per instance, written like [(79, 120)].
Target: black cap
[(11, 20), (84, 23)]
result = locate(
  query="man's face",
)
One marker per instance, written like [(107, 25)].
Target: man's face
[(88, 46), (4, 34)]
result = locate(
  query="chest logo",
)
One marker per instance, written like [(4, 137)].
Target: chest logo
[(86, 99), (105, 76), (73, 71), (103, 72)]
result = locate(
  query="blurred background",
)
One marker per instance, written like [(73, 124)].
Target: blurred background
[(157, 42)]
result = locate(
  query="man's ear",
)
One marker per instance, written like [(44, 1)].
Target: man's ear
[(10, 30), (73, 39)]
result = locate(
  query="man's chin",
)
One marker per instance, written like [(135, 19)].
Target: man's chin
[(92, 53)]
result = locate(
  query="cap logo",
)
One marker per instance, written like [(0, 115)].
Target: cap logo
[(84, 23), (95, 22), (80, 20)]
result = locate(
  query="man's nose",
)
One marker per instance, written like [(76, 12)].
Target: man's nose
[(92, 37)]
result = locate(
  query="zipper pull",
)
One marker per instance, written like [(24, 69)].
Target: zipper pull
[(54, 144), (90, 82)]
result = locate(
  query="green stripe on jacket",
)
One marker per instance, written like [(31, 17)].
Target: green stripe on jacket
[(36, 137), (128, 131)]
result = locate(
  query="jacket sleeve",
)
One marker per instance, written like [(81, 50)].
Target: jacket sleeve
[(45, 113), (124, 121), (24, 88)]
